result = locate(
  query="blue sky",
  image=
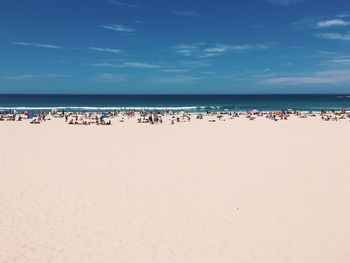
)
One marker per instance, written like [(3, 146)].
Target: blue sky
[(164, 46)]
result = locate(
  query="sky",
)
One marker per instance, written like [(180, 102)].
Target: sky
[(174, 47)]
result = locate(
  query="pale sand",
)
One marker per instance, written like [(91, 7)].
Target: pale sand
[(237, 191)]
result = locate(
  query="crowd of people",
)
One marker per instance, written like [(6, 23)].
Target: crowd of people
[(160, 117)]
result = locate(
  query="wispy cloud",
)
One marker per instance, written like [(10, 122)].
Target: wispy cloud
[(35, 76), (343, 15), (175, 70), (337, 63), (334, 59), (201, 50), (140, 65), (320, 24), (334, 36), (136, 21), (209, 55), (328, 77), (105, 49), (118, 3), (36, 45), (291, 81), (108, 77), (197, 63), (118, 28), (178, 80), (341, 61), (285, 2), (221, 48), (189, 13), (100, 65), (332, 23), (324, 22), (188, 49)]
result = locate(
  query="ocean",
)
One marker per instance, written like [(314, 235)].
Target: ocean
[(193, 103)]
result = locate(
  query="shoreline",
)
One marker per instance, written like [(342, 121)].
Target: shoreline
[(193, 103), (188, 109)]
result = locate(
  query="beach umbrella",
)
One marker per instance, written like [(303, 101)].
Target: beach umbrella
[(104, 117)]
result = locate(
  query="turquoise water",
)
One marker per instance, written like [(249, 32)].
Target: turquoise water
[(197, 103)]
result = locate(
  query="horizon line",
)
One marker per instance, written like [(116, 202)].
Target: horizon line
[(164, 94)]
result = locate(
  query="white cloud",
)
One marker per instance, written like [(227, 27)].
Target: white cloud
[(335, 60), (199, 50), (330, 77), (107, 77), (105, 49), (332, 23), (35, 76), (323, 22), (343, 15), (140, 65), (189, 13), (136, 21), (209, 55), (175, 70), (197, 63), (100, 65), (186, 46), (118, 3), (118, 28), (286, 2), (298, 81), (221, 48), (180, 80), (341, 61), (36, 45), (335, 36), (188, 50)]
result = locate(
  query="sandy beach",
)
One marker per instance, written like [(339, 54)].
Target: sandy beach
[(234, 191)]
